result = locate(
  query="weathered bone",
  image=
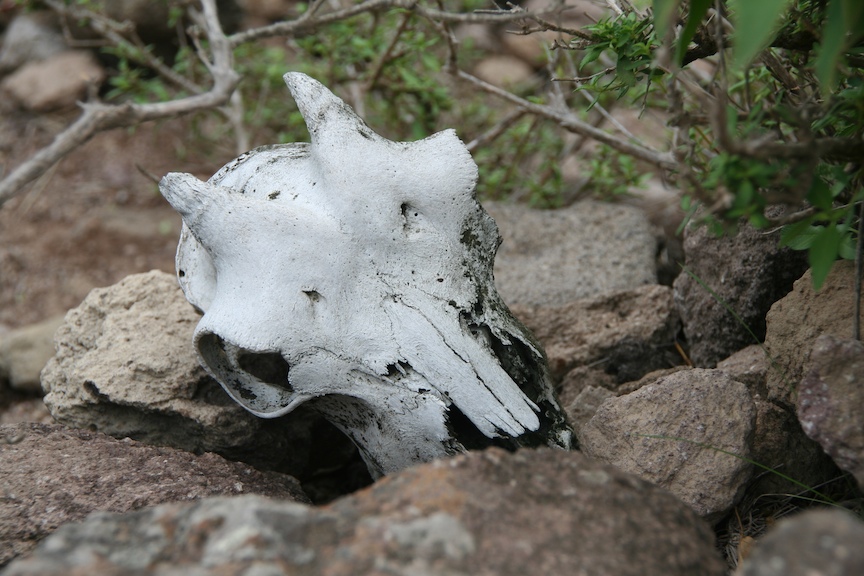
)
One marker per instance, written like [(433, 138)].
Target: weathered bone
[(355, 273)]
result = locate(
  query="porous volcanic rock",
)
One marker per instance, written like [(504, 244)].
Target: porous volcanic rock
[(125, 366), (51, 475), (683, 433), (483, 513)]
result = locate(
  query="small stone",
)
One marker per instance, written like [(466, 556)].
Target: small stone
[(24, 353), (54, 83)]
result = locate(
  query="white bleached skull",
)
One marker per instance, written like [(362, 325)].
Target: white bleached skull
[(355, 273)]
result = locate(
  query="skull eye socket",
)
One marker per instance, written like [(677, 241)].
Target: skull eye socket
[(269, 367)]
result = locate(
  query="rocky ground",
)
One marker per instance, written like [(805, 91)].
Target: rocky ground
[(700, 453)]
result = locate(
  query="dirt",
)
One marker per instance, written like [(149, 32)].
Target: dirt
[(92, 219)]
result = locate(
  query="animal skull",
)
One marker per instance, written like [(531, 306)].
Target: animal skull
[(355, 273)]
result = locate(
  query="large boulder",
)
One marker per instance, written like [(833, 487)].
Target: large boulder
[(125, 366), (748, 272), (688, 432), (486, 513), (52, 475)]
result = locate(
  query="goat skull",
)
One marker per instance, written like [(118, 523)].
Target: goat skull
[(355, 273)]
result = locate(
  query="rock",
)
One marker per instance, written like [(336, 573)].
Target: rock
[(585, 405), (30, 37), (750, 366), (713, 416), (747, 271), (125, 366), (504, 71), (812, 543), (485, 513), (626, 332), (580, 378), (831, 401), (52, 475), (54, 83), (25, 351), (796, 321), (649, 378), (29, 410), (553, 257), (780, 444)]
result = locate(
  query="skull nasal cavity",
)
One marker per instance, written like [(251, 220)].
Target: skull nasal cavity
[(269, 367)]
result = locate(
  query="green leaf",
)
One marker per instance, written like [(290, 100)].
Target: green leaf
[(844, 24), (698, 9), (848, 247), (823, 253), (799, 236), (664, 12), (755, 26), (819, 194)]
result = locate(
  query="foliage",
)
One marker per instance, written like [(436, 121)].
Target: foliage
[(775, 123), (765, 100)]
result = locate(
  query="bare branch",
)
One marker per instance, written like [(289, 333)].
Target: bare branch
[(573, 123), (111, 31), (307, 21), (100, 117)]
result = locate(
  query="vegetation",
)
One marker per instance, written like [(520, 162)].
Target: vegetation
[(764, 101)]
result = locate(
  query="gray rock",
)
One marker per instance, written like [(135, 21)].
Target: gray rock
[(24, 353), (125, 366), (812, 543), (626, 333), (552, 257), (748, 271), (30, 37), (54, 83), (688, 432), (52, 475), (831, 402), (484, 513), (796, 321)]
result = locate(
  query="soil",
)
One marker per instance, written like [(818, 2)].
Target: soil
[(92, 219)]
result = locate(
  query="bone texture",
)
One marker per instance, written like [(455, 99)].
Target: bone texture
[(355, 273)]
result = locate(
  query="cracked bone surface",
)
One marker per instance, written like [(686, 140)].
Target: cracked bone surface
[(355, 273)]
